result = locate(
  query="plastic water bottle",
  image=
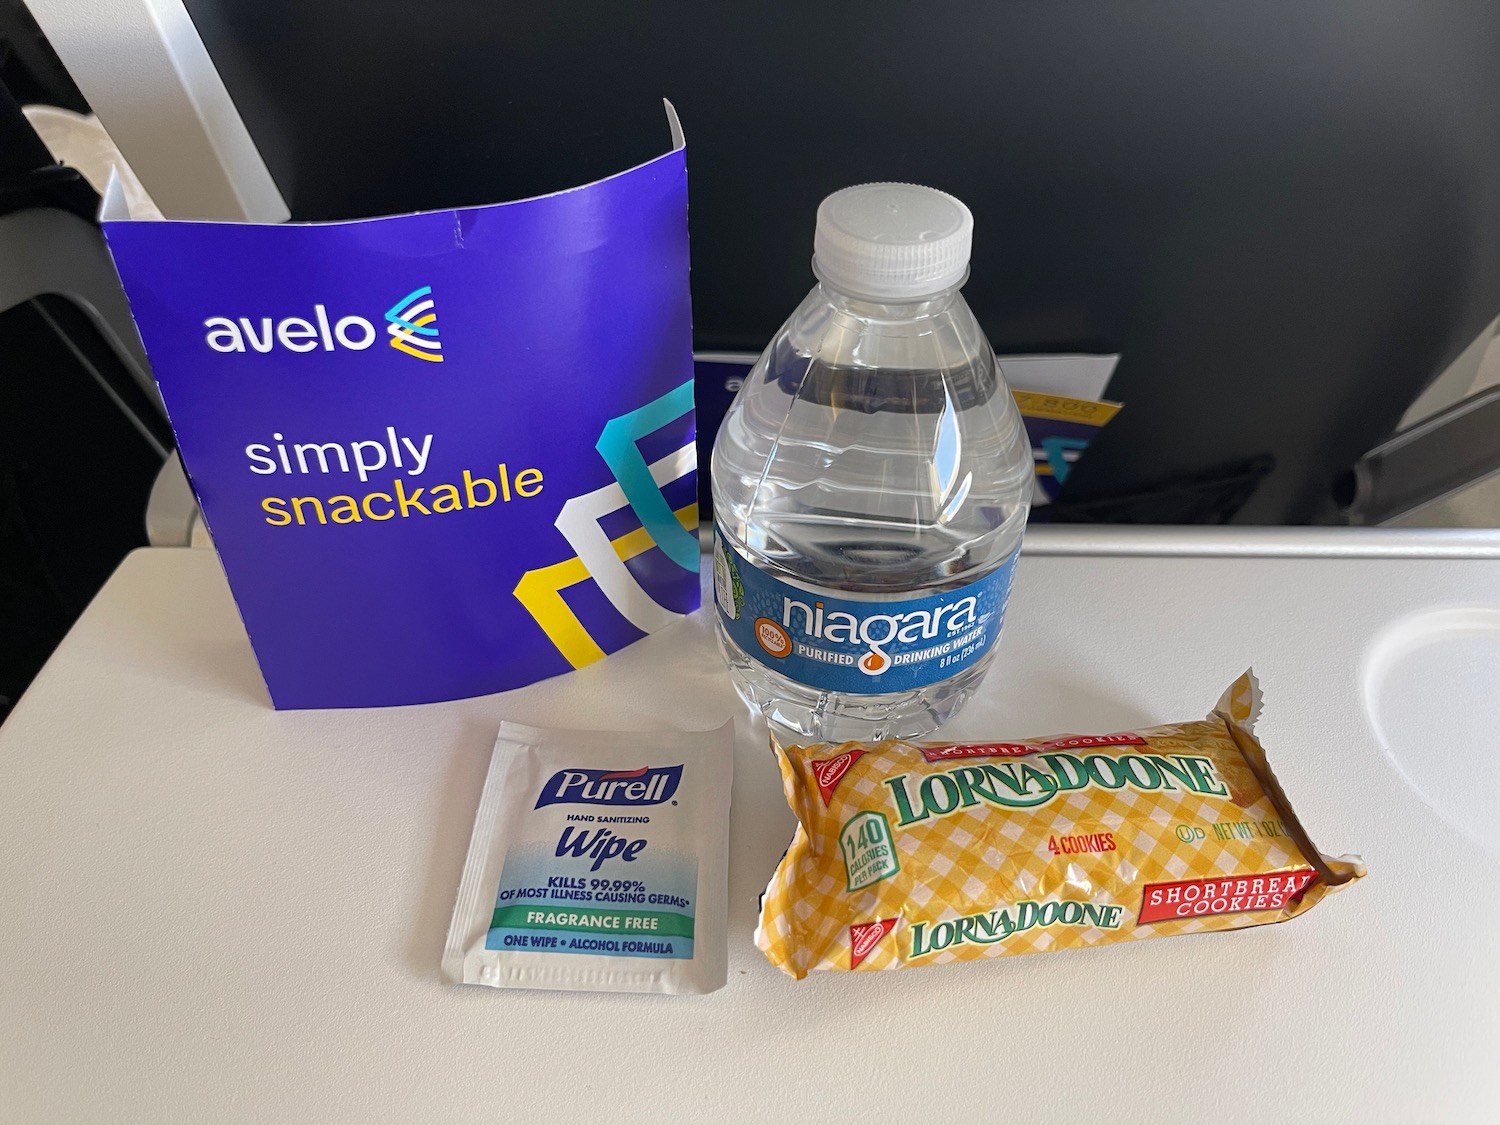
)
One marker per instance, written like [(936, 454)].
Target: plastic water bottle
[(871, 483)]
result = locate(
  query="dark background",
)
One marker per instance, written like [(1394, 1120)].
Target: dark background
[(75, 469), (1286, 216)]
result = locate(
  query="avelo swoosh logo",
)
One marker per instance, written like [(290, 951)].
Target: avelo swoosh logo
[(412, 325)]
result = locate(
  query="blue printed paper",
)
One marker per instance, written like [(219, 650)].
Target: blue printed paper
[(440, 454)]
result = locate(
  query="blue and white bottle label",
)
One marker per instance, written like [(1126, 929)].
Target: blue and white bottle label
[(855, 645)]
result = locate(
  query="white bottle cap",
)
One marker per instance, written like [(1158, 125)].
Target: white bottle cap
[(892, 241)]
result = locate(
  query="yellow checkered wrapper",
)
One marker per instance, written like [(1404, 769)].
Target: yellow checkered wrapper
[(923, 853)]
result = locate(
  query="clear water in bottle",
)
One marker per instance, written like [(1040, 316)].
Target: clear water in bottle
[(871, 484)]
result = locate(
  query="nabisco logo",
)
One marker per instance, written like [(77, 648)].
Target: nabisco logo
[(865, 936), (828, 772)]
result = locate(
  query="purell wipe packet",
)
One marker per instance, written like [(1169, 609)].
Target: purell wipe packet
[(599, 861)]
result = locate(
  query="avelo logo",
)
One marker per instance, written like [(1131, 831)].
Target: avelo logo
[(411, 326), (411, 323), (645, 786)]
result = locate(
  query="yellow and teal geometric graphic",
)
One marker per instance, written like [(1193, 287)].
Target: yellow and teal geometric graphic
[(412, 328), (600, 559)]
